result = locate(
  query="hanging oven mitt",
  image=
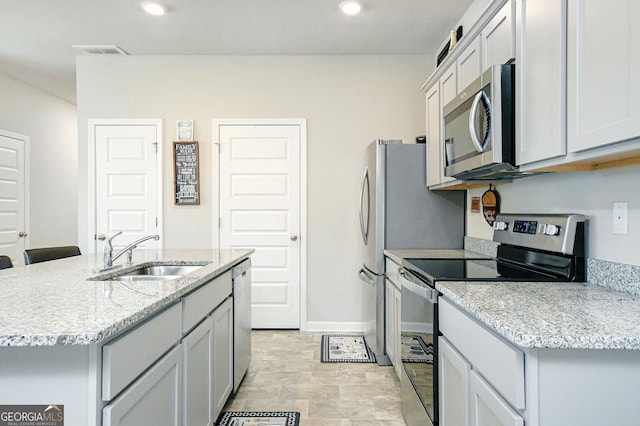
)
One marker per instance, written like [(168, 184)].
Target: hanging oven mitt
[(490, 205)]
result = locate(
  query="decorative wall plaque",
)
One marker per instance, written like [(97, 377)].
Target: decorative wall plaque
[(185, 172)]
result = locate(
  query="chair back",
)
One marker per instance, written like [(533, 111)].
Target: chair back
[(5, 262), (49, 253)]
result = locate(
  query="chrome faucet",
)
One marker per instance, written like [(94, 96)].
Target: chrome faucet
[(108, 256)]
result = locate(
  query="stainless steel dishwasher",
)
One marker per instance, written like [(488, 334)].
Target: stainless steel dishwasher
[(241, 275)]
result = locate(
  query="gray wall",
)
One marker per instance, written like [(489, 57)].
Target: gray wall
[(347, 102), (50, 123)]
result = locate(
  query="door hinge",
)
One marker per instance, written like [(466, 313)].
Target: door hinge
[(156, 221), (155, 145), (219, 222), (217, 144)]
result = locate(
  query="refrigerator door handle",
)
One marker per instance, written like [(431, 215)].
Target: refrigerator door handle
[(366, 277), (364, 225)]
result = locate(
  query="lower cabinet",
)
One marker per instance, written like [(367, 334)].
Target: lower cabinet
[(454, 373), (197, 350), (222, 355), (488, 408), (392, 314), (153, 399)]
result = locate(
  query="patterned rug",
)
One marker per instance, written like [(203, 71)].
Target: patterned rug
[(259, 418), (414, 349), (345, 348)]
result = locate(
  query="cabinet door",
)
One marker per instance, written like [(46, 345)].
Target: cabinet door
[(454, 373), (434, 119), (499, 38), (488, 408), (603, 69), (222, 355), (541, 80), (390, 317), (449, 85), (397, 310), (153, 399), (468, 64), (197, 348)]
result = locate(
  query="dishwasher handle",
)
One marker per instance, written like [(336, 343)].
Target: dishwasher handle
[(418, 287)]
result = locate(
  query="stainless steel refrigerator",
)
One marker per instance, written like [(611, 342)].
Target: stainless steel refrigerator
[(397, 211)]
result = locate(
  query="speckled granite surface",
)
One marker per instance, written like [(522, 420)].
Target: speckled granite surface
[(480, 245), (617, 276), (552, 315), (398, 255), (53, 303)]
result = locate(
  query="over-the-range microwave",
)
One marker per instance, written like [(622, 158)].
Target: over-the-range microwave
[(479, 128)]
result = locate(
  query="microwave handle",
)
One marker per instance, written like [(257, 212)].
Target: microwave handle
[(473, 116)]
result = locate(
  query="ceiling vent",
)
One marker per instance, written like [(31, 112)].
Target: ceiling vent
[(88, 49)]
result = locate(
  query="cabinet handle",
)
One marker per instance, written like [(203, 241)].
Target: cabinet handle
[(22, 234)]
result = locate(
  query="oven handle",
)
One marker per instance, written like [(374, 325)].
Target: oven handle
[(416, 286)]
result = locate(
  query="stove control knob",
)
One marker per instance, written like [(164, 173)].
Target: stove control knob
[(500, 226), (552, 230), (542, 229)]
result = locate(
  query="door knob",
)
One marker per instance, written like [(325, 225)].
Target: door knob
[(22, 234), (294, 237), (101, 237)]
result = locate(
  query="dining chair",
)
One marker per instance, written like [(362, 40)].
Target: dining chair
[(5, 262), (49, 253)]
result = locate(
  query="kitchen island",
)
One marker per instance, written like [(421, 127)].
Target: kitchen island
[(539, 353), (105, 348)]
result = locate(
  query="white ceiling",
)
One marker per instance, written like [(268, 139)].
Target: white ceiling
[(37, 35)]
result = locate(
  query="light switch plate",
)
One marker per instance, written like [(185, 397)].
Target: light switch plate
[(620, 220)]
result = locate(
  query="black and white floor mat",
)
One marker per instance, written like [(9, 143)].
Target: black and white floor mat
[(346, 348), (259, 418)]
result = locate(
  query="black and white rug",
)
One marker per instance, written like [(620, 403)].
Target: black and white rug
[(346, 348), (259, 418), (414, 349)]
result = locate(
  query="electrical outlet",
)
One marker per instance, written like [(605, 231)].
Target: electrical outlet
[(620, 220)]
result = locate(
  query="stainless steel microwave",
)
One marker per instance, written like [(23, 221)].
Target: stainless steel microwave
[(479, 128)]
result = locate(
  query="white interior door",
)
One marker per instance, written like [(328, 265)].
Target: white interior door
[(13, 220), (260, 208), (127, 183)]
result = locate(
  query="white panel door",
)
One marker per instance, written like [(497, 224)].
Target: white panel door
[(260, 209), (126, 183), (12, 196)]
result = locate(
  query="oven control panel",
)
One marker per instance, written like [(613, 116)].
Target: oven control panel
[(553, 232)]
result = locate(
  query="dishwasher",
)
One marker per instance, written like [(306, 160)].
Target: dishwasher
[(241, 275)]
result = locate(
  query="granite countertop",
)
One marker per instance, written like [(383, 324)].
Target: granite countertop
[(551, 315), (398, 255), (54, 303)]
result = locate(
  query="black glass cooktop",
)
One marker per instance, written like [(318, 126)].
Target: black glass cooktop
[(432, 270)]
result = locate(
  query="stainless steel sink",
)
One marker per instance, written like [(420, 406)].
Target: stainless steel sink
[(156, 273)]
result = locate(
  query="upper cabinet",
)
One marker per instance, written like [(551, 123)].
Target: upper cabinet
[(540, 80), (603, 64), (434, 118), (468, 64), (498, 38)]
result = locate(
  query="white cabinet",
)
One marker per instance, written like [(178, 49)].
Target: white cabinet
[(498, 37), (222, 355), (541, 80), (392, 314), (434, 118), (603, 69), (468, 64), (488, 408), (453, 385), (153, 399), (197, 349), (449, 85)]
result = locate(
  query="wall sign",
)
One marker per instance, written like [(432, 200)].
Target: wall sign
[(185, 173)]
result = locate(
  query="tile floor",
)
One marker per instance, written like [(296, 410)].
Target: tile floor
[(286, 375)]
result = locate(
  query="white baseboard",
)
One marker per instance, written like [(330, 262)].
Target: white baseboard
[(319, 326)]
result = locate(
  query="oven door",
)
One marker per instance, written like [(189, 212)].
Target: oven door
[(419, 350)]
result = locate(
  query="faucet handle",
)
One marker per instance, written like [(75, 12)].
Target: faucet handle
[(113, 236)]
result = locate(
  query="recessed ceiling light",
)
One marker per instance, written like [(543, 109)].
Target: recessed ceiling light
[(153, 8), (351, 7)]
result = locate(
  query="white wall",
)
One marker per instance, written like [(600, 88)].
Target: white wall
[(589, 193), (51, 125), (347, 101)]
